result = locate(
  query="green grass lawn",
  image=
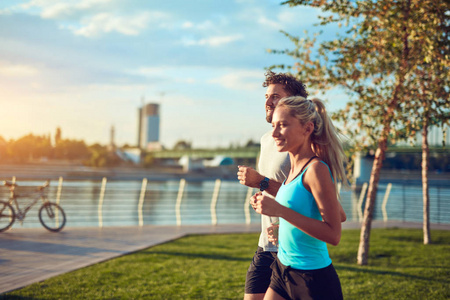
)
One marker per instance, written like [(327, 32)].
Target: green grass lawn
[(214, 267)]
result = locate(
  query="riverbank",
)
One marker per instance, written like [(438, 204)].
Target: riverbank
[(41, 171), (52, 171)]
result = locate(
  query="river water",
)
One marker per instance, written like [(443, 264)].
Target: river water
[(81, 201)]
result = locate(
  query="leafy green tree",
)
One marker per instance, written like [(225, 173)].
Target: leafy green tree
[(3, 149), (30, 147), (250, 143), (373, 60), (42, 147), (428, 84), (149, 160), (182, 145), (71, 149), (100, 156), (20, 150)]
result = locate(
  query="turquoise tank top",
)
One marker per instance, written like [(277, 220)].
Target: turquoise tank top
[(296, 248)]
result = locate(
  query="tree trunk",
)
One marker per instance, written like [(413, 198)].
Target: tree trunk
[(426, 198), (363, 251)]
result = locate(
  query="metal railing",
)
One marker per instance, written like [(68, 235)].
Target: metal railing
[(123, 203)]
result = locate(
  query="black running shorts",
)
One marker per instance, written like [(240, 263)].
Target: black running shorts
[(305, 284), (259, 272)]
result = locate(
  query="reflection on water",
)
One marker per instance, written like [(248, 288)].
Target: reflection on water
[(80, 200)]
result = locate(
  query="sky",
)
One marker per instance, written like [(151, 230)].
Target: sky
[(88, 65)]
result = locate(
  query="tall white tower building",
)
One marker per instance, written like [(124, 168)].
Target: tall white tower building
[(148, 127)]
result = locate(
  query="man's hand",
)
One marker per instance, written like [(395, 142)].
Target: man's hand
[(249, 177), (272, 233)]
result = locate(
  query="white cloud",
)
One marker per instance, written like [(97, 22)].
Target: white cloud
[(187, 25), (60, 9), (292, 17), (92, 18), (106, 23), (262, 20), (5, 11), (284, 18), (203, 26), (229, 78), (240, 80), (57, 10), (214, 41), (206, 25)]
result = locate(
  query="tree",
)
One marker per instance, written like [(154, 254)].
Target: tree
[(428, 86), (182, 145), (3, 149), (250, 143), (101, 157), (434, 71), (30, 147), (71, 149), (149, 160), (373, 62)]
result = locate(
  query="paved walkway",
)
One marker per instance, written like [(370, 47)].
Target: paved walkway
[(32, 255)]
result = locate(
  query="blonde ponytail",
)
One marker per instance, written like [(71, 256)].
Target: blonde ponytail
[(327, 144), (325, 139)]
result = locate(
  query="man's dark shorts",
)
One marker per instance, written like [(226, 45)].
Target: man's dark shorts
[(259, 272)]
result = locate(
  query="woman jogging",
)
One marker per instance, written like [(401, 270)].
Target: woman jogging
[(307, 202)]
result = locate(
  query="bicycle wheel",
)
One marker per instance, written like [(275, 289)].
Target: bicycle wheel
[(7, 216), (52, 216)]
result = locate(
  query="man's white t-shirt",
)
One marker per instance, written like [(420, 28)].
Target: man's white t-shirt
[(273, 165)]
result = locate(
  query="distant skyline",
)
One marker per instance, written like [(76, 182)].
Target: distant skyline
[(87, 65)]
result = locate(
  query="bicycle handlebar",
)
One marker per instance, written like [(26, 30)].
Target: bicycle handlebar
[(13, 184), (9, 183)]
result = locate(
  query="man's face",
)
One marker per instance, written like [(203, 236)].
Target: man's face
[(274, 93)]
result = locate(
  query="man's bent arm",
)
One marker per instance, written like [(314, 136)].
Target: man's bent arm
[(250, 177)]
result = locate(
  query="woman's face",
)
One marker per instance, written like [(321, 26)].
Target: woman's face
[(288, 133)]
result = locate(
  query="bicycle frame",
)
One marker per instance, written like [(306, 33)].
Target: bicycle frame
[(13, 200)]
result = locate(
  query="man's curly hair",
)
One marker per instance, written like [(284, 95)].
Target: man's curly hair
[(292, 86)]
